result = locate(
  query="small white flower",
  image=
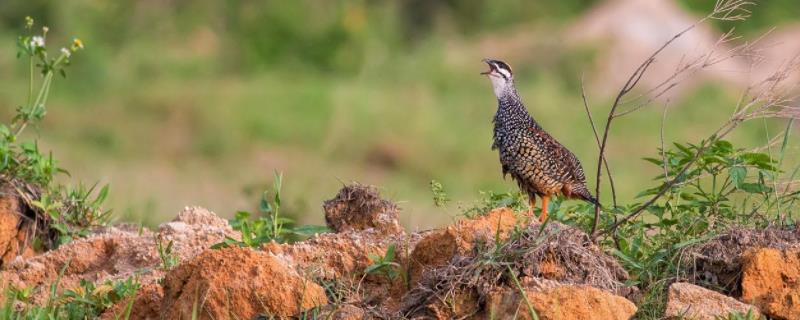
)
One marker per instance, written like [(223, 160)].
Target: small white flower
[(45, 29), (66, 52), (37, 41)]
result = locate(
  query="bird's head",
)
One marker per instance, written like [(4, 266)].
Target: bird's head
[(501, 76)]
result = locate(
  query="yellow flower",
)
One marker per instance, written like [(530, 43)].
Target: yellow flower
[(77, 44)]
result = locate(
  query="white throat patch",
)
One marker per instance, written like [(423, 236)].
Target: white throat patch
[(500, 85)]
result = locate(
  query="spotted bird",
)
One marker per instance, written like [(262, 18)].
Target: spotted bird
[(540, 165)]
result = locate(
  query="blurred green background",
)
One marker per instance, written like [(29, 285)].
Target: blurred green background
[(196, 102)]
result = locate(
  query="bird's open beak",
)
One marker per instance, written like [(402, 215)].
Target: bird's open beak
[(491, 67)]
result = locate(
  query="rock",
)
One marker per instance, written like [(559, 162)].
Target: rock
[(562, 302), (437, 248), (360, 207), (719, 261), (237, 283), (771, 281), (688, 301)]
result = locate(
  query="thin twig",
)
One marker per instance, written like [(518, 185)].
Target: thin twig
[(605, 162)]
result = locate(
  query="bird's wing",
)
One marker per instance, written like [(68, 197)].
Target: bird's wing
[(563, 165)]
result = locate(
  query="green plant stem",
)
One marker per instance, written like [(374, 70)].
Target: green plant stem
[(30, 83), (531, 311)]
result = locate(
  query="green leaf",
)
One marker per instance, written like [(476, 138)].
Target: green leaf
[(738, 174), (655, 161), (627, 259), (754, 188), (760, 160), (264, 205), (309, 229), (101, 196), (373, 268), (389, 256), (649, 192), (723, 146), (685, 150)]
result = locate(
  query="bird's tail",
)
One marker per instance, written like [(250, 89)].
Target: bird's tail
[(584, 194)]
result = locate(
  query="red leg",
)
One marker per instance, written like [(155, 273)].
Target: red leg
[(545, 200)]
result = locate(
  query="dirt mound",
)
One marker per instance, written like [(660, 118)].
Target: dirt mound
[(116, 253), (334, 256), (360, 207), (771, 281), (237, 283), (528, 255), (688, 301), (365, 226), (717, 264), (146, 305), (561, 302), (194, 230), (14, 230), (438, 248)]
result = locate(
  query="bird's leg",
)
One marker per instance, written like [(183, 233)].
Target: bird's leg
[(543, 216), (532, 202)]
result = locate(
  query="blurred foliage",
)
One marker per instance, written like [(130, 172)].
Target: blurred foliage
[(208, 97), (324, 36)]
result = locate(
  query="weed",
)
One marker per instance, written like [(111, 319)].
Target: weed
[(531, 312), (168, 259), (271, 226), (386, 265), (490, 200), (440, 198), (741, 316)]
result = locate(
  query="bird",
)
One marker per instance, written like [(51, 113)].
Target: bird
[(541, 166)]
